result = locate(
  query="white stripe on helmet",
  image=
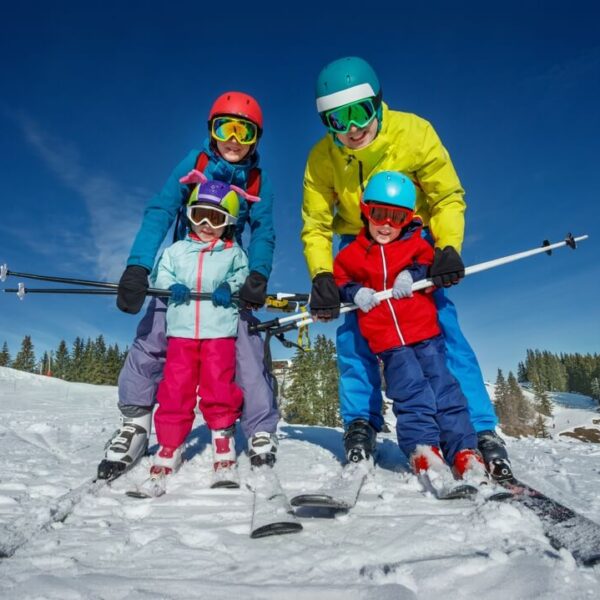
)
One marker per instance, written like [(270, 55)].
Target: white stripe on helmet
[(337, 99)]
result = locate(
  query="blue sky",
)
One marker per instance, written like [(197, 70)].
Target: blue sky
[(101, 100)]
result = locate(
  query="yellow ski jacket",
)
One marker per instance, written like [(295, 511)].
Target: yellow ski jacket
[(335, 178)]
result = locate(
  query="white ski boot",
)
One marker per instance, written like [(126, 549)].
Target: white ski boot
[(128, 444), (165, 462), (225, 472), (262, 449)]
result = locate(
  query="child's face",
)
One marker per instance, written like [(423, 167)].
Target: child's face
[(232, 151), (357, 138), (383, 234), (206, 233)]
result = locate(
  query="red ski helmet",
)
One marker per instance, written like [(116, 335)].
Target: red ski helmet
[(237, 104)]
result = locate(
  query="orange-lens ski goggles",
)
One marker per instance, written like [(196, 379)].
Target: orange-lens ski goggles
[(224, 128), (380, 214)]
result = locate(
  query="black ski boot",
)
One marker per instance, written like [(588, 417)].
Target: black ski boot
[(128, 444), (495, 457), (262, 449), (359, 441)]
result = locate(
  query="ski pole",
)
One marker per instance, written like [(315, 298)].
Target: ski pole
[(21, 291), (5, 272), (300, 320)]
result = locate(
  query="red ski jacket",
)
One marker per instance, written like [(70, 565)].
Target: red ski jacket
[(365, 263)]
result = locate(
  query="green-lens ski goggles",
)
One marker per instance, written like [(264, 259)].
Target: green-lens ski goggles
[(359, 114)]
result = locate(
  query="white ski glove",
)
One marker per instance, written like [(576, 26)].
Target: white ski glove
[(402, 287), (366, 299)]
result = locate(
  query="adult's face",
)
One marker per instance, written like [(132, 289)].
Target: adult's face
[(359, 137)]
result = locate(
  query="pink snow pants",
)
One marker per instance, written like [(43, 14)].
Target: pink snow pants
[(204, 368)]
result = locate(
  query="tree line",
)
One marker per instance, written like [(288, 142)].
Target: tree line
[(562, 372), (87, 361)]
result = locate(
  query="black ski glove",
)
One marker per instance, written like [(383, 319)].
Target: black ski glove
[(133, 286), (324, 297), (447, 267), (254, 291)]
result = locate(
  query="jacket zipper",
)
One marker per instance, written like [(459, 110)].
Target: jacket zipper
[(389, 301), (360, 176), (199, 289)]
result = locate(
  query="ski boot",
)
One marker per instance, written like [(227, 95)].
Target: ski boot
[(428, 464), (359, 441), (128, 444), (262, 449), (224, 459), (166, 461), (468, 466), (495, 457)]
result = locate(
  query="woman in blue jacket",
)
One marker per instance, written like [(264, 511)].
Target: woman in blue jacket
[(229, 155)]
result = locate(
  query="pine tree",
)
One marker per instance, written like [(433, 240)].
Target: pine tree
[(4, 356), (60, 366), (502, 401), (114, 365), (301, 393), (542, 400), (595, 387), (45, 364), (75, 369), (521, 373), (327, 378), (539, 427), (25, 359), (522, 408)]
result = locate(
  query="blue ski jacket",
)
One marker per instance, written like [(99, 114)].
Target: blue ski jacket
[(162, 210)]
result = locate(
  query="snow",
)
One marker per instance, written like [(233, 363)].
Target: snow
[(194, 542)]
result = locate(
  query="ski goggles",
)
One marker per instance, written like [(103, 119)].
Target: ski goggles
[(224, 128), (382, 214), (215, 217), (359, 114)]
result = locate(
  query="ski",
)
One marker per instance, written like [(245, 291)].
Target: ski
[(17, 534), (563, 527), (271, 511), (343, 493), (225, 477)]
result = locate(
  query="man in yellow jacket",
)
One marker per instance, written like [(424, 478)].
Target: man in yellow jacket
[(365, 137)]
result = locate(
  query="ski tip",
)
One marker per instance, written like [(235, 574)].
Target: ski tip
[(232, 485), (138, 494), (461, 491), (319, 501), (276, 529)]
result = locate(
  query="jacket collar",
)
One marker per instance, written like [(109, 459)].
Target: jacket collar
[(217, 244), (236, 173)]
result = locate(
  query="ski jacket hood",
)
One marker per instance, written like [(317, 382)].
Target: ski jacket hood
[(162, 210), (335, 177)]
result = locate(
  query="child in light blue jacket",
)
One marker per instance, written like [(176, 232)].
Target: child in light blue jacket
[(201, 333)]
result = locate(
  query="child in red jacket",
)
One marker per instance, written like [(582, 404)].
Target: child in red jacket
[(433, 422)]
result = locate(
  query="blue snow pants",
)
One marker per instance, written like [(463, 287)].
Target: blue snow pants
[(360, 382), (429, 405), (143, 369)]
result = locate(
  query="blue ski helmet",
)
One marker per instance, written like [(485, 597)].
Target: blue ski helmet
[(347, 80), (391, 187), (216, 194)]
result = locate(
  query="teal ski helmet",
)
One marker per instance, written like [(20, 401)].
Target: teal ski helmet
[(344, 81), (391, 187)]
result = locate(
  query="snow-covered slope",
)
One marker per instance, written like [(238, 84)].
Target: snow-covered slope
[(193, 542)]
